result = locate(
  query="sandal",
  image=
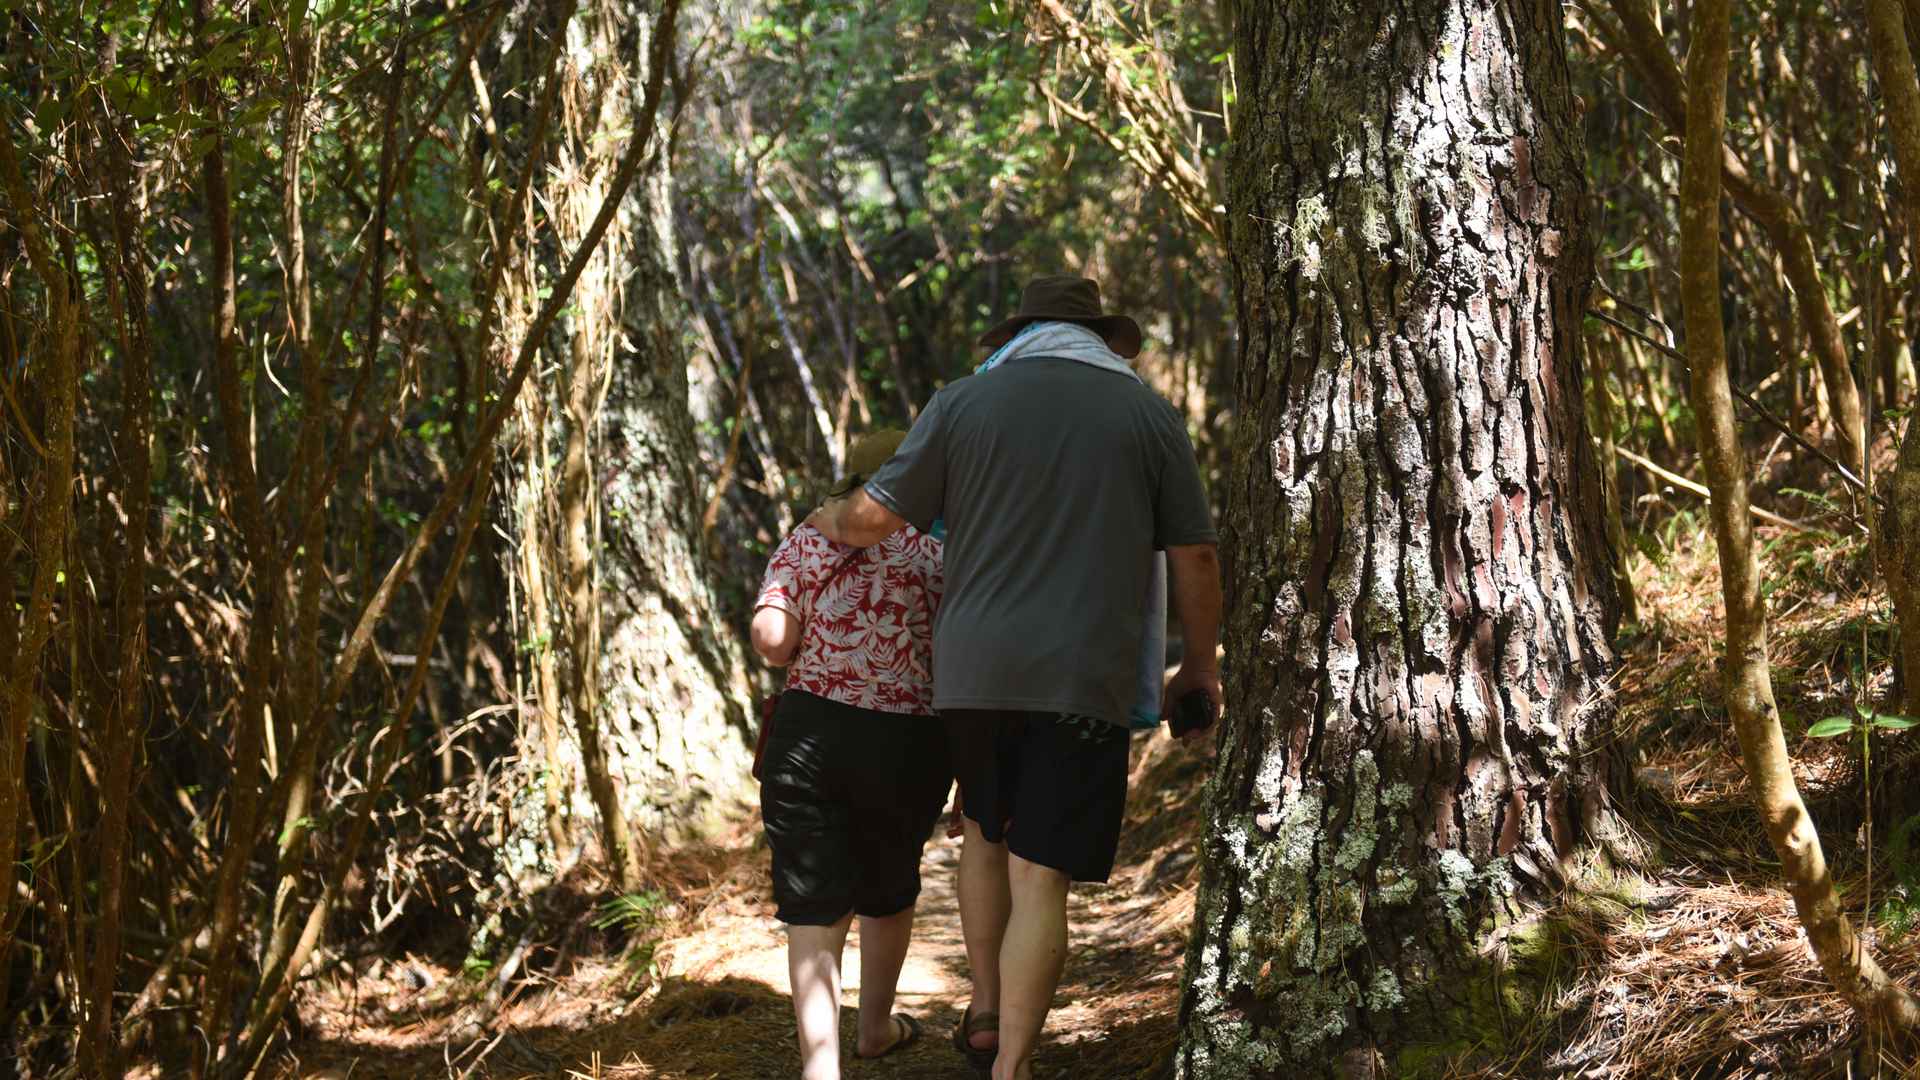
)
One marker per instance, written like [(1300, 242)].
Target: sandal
[(981, 1059), (912, 1036)]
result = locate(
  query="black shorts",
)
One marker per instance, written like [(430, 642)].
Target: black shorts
[(849, 797), (1052, 788)]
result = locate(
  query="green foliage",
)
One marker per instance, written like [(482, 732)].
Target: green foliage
[(1863, 720), (1830, 727), (629, 912), (634, 915)]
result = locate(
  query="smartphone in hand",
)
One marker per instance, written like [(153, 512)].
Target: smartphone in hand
[(1193, 712)]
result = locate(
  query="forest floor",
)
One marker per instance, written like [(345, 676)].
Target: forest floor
[(710, 1001), (1688, 965)]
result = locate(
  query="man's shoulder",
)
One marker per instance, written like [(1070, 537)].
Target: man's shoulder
[(952, 390)]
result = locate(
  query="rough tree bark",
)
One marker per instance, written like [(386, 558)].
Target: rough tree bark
[(1420, 602), (574, 190)]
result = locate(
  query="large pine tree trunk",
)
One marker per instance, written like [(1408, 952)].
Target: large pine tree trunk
[(672, 671), (655, 693), (1419, 604)]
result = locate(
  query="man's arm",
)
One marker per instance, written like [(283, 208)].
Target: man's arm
[(776, 635), (856, 519), (1195, 573)]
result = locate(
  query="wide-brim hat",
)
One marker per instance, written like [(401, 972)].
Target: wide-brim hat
[(1065, 298), (865, 456)]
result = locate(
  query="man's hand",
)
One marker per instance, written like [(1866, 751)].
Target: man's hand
[(1191, 677), (1195, 585), (855, 519)]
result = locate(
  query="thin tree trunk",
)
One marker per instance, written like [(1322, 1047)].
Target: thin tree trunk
[(578, 177), (279, 977), (1605, 419), (546, 675), (1652, 393), (1420, 602), (713, 324), (583, 634), (904, 387), (1900, 562), (1749, 682), (125, 728), (711, 516), (309, 465), (1900, 88), (509, 295), (750, 218), (48, 518), (1900, 548), (466, 490), (248, 510)]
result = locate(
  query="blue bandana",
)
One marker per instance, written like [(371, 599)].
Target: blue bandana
[(1000, 353)]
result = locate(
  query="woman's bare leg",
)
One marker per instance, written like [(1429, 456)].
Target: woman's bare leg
[(883, 952), (813, 967)]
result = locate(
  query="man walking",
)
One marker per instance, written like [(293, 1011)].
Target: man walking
[(1058, 474)]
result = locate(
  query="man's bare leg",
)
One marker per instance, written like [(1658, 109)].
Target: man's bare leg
[(984, 904), (813, 967), (1031, 957), (883, 951)]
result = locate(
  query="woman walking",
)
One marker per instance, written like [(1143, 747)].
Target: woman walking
[(854, 771)]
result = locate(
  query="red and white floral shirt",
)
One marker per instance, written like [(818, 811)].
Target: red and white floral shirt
[(866, 631)]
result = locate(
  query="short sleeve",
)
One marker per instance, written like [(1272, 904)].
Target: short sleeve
[(785, 585), (913, 483), (1180, 511)]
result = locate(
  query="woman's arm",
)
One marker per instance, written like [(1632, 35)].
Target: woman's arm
[(776, 636)]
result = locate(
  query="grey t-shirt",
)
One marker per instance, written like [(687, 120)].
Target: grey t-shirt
[(1056, 480)]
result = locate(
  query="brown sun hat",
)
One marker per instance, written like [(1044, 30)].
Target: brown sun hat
[(865, 456), (1065, 298)]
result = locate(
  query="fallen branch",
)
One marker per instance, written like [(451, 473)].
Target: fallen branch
[(1677, 480), (1765, 414)]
